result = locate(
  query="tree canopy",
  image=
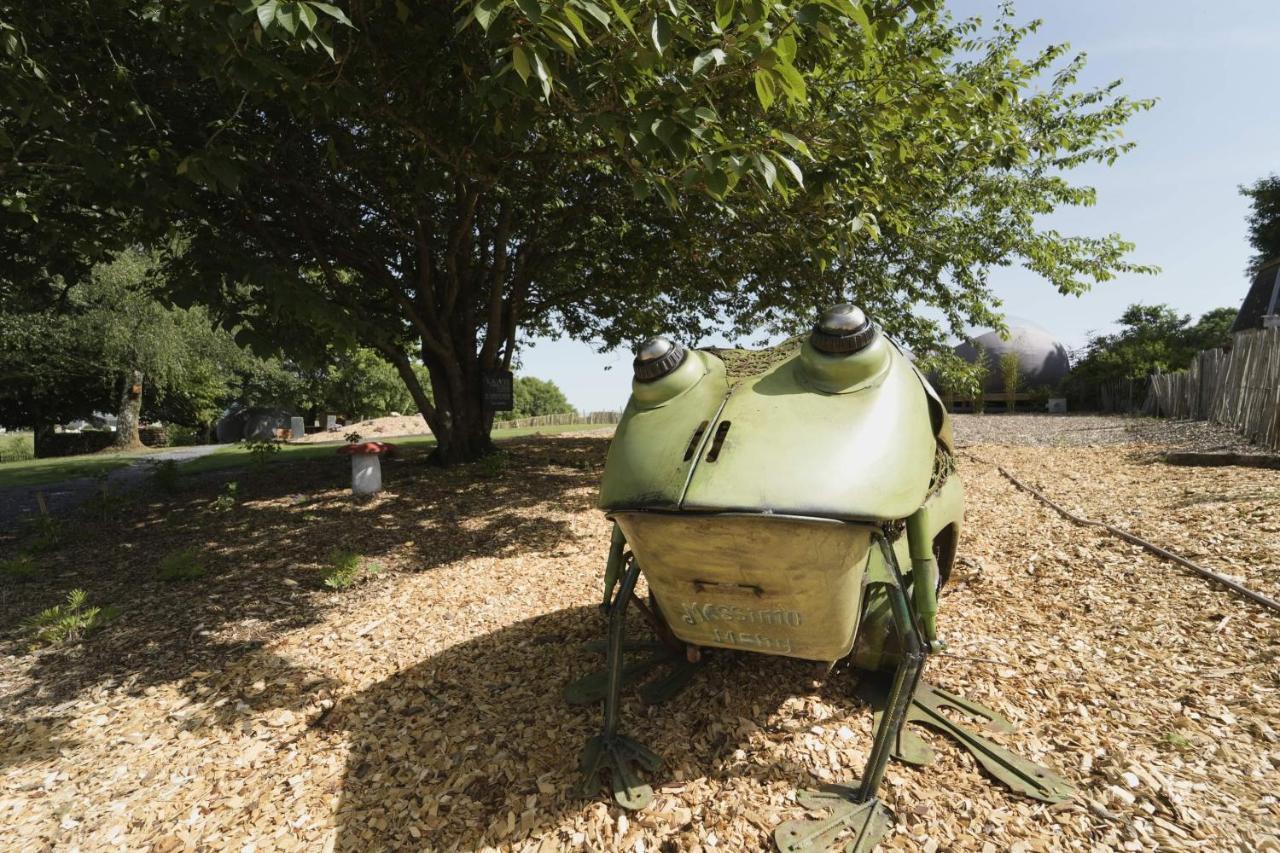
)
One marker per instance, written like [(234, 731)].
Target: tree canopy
[(433, 181), (1263, 220), (1151, 338)]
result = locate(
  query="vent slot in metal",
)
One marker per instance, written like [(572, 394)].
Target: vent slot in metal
[(693, 442), (718, 441)]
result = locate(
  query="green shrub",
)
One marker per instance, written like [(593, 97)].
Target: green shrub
[(21, 566), (261, 450), (226, 501), (493, 464), (17, 448), (182, 565), (68, 622), (184, 436), (345, 569), (1011, 376), (166, 475), (45, 533)]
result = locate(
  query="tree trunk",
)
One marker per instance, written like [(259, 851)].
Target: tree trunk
[(465, 438), (128, 413)]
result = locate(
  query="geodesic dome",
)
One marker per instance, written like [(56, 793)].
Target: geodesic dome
[(1043, 359)]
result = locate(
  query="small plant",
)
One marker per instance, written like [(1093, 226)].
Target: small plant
[(353, 437), (981, 368), (68, 622), (493, 464), (21, 566), (261, 450), (46, 533), (182, 565), (166, 475), (345, 569), (1011, 375), (226, 501)]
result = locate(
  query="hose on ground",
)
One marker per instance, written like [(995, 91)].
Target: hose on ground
[(1240, 589)]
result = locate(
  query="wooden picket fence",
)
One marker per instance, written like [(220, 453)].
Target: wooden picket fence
[(1239, 387), (563, 419)]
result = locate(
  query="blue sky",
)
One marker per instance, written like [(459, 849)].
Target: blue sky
[(1214, 68)]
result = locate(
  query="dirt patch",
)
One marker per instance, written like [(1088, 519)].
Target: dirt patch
[(421, 710), (391, 425)]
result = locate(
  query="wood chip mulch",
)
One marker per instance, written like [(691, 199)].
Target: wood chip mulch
[(253, 709)]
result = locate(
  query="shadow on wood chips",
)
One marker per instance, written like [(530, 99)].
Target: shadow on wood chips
[(263, 560), (441, 750)]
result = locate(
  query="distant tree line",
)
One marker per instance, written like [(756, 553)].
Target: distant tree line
[(112, 342)]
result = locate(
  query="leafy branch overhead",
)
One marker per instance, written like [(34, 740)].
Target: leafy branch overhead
[(437, 182)]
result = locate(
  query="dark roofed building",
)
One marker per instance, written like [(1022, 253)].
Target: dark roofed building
[(1261, 308)]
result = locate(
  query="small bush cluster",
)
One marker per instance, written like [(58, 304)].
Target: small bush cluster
[(261, 450), (68, 622), (166, 475), (44, 533), (19, 567), (345, 569), (17, 448), (493, 464), (226, 501), (182, 565)]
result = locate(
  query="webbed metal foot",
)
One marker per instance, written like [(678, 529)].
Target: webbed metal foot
[(867, 821), (620, 755), (1017, 773)]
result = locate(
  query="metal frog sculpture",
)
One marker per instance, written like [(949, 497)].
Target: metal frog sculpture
[(810, 510)]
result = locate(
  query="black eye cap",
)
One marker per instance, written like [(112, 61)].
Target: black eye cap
[(656, 358), (842, 329)]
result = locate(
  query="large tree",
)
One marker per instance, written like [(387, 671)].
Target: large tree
[(433, 181)]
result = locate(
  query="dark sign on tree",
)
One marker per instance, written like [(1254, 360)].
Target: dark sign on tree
[(499, 390)]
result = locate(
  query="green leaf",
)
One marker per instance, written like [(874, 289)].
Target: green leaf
[(786, 47), (576, 22), (795, 142), (622, 16), (325, 42), (544, 76), (764, 88), (308, 16), (334, 12), (792, 168), (706, 58), (267, 13), (596, 12), (487, 12), (661, 33), (520, 59), (766, 169), (532, 10), (287, 15), (792, 82), (724, 13)]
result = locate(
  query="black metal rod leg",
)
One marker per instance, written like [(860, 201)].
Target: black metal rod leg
[(905, 680), (617, 633)]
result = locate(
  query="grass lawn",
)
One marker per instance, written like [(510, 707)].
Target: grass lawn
[(16, 446), (236, 455), (35, 472)]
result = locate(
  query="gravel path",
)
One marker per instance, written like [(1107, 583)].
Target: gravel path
[(1094, 431), (17, 501)]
